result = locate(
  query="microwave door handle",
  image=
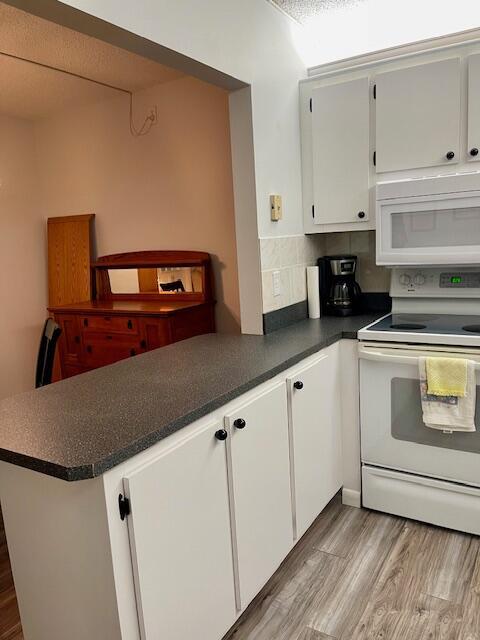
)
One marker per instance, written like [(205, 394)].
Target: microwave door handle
[(378, 356)]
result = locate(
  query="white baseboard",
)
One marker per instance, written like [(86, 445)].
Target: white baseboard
[(351, 498)]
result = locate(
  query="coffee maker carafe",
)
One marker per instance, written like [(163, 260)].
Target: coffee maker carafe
[(339, 291)]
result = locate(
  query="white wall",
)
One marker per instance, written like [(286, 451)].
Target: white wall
[(23, 273), (370, 25)]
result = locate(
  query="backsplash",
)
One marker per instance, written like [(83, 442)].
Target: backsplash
[(290, 255)]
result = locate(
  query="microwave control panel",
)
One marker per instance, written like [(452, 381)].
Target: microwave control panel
[(435, 282)]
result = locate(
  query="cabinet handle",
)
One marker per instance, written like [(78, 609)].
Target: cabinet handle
[(129, 324), (85, 322), (450, 155), (221, 434), (361, 214), (132, 352), (298, 384), (109, 337), (474, 151), (89, 349), (143, 344), (239, 423)]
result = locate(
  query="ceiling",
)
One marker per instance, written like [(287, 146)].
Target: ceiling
[(32, 92), (304, 10)]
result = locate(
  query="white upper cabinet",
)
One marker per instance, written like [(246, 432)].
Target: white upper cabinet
[(340, 152), (180, 541), (418, 116), (316, 431), (260, 460), (473, 142)]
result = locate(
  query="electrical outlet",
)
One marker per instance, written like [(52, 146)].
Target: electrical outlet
[(276, 283)]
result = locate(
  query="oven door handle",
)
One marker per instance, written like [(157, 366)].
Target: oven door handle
[(379, 356)]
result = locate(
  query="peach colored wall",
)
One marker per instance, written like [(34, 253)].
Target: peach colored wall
[(170, 189), (23, 281)]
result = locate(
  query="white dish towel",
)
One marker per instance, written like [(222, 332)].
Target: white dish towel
[(449, 413)]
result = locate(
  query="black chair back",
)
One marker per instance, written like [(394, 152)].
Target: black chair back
[(46, 353)]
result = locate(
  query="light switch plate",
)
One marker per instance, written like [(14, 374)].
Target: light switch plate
[(276, 212)]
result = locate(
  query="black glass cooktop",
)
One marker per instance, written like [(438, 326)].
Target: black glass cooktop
[(429, 323)]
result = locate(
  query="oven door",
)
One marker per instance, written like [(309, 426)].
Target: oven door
[(429, 230), (392, 430)]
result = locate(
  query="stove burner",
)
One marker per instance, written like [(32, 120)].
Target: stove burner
[(473, 328), (408, 326)]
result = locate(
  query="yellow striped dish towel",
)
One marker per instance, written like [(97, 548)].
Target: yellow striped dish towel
[(446, 377)]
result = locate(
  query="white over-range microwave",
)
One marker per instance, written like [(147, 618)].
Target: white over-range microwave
[(429, 221)]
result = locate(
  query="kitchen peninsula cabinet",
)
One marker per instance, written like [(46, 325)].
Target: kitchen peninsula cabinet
[(180, 540), (261, 495), (176, 537), (316, 431)]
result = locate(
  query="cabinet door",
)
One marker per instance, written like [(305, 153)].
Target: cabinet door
[(340, 131), (418, 116), (261, 488), (181, 541), (316, 438), (473, 144)]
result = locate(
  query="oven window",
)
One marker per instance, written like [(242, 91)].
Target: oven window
[(407, 422), (443, 228)]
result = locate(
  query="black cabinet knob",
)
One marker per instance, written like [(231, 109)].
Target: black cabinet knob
[(132, 352), (221, 434), (239, 423), (361, 214), (130, 324), (450, 155), (143, 344), (474, 151), (298, 384)]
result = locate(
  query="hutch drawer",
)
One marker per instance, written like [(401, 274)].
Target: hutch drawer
[(113, 324)]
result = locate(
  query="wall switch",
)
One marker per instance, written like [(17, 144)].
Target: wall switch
[(276, 283), (276, 211)]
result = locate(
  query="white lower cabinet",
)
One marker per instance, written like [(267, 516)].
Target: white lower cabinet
[(261, 494), (210, 515), (316, 436), (180, 540), (215, 514)]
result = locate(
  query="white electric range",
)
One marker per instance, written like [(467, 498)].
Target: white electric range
[(409, 469)]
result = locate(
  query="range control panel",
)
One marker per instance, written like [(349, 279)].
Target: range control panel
[(459, 279), (438, 282)]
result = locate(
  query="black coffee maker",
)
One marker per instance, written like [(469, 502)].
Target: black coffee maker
[(339, 291)]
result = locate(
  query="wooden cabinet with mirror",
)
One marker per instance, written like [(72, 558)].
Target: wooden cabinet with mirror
[(143, 300)]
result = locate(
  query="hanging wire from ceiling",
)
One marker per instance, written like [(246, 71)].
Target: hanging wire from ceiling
[(149, 120)]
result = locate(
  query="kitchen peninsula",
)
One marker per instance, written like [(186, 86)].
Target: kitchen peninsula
[(135, 480)]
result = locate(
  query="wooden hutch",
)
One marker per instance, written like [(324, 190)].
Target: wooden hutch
[(142, 301)]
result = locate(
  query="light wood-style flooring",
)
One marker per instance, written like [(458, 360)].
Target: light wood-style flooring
[(359, 575), (10, 627), (355, 575)]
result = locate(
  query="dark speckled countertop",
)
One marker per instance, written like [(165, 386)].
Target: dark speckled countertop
[(81, 427)]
